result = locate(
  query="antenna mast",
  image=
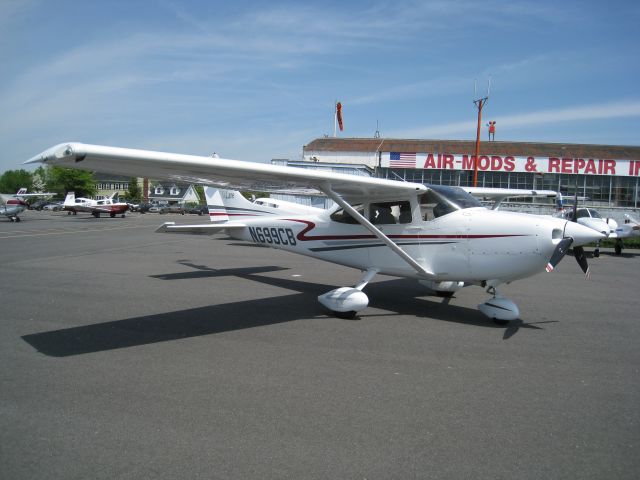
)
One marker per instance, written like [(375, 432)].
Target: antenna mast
[(479, 103)]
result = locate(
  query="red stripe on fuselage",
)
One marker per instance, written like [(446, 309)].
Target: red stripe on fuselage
[(302, 236)]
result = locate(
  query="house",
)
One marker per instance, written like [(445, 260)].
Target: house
[(107, 184), (172, 193)]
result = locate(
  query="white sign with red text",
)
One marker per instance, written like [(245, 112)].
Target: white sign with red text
[(508, 163)]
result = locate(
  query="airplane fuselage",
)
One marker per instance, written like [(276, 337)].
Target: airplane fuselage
[(472, 245), (12, 209)]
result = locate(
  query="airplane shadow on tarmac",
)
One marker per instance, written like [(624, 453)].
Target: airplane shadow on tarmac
[(399, 296)]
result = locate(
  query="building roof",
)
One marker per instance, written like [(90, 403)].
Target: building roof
[(183, 189), (331, 144)]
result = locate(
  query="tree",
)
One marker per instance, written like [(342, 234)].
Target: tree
[(62, 180), (200, 193), (12, 180), (134, 194), (38, 180)]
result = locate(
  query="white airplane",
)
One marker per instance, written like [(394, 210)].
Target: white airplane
[(630, 228), (14, 204), (591, 218), (73, 205), (438, 235)]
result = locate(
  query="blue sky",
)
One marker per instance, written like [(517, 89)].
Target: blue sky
[(258, 80)]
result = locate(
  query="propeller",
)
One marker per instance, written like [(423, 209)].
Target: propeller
[(581, 258), (559, 253), (563, 246)]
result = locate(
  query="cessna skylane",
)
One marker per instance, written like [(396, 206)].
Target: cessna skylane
[(14, 204), (441, 236), (73, 205)]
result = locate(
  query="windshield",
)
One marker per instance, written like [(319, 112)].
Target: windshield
[(440, 200), (594, 213), (457, 196), (582, 213)]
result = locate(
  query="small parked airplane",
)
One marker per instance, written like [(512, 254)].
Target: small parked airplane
[(14, 204), (591, 218), (438, 235), (630, 228), (73, 205)]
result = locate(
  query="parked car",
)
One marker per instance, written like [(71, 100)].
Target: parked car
[(140, 207), (172, 209), (38, 204), (199, 210), (154, 208), (55, 207)]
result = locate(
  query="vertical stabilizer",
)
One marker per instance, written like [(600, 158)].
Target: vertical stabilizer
[(215, 205), (70, 199)]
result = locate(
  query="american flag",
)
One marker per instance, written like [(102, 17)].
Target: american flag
[(402, 160)]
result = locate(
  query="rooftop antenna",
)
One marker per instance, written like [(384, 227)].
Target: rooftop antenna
[(377, 134), (479, 103)]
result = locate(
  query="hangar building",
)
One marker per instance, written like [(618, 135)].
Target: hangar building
[(605, 175)]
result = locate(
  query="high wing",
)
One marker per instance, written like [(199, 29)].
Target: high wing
[(498, 195), (222, 173)]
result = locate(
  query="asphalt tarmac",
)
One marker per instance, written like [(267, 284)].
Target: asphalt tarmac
[(130, 354)]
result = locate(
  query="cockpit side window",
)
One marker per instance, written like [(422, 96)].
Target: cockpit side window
[(389, 213), (342, 216), (428, 202)]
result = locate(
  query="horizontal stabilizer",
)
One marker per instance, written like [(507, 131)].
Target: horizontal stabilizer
[(204, 229)]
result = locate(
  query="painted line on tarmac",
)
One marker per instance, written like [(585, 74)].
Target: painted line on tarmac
[(74, 231)]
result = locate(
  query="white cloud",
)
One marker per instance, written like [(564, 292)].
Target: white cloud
[(618, 109)]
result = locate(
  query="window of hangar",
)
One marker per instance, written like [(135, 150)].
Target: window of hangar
[(599, 189)]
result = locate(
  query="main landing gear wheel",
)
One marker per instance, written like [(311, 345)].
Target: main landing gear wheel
[(618, 247), (500, 309), (346, 302)]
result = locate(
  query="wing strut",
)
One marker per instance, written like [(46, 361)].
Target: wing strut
[(326, 189)]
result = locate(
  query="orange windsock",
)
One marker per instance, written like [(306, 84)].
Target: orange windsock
[(339, 115)]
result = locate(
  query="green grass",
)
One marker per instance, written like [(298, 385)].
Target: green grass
[(627, 242)]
